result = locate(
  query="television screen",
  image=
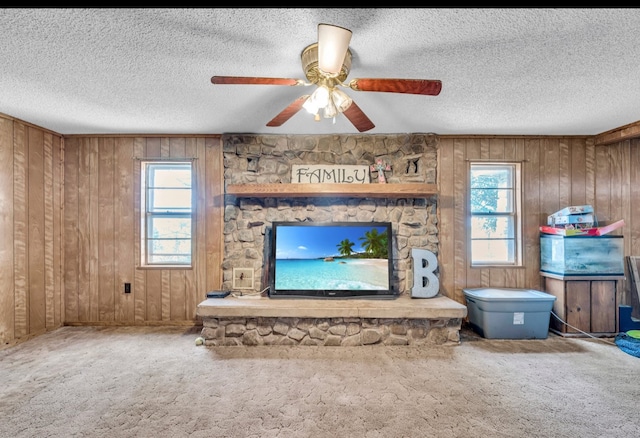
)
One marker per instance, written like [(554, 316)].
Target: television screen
[(331, 260)]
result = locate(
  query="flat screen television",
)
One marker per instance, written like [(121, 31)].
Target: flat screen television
[(331, 260)]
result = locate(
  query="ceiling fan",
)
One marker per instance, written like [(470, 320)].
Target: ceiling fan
[(326, 64)]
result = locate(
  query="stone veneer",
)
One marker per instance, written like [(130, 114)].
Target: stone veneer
[(331, 332), (250, 159)]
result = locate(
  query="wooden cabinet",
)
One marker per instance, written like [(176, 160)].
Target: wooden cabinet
[(586, 303)]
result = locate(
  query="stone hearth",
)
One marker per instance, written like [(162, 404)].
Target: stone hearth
[(351, 322)]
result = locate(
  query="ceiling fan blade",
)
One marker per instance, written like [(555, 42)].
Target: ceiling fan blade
[(333, 43), (358, 118), (289, 111), (429, 87), (244, 80)]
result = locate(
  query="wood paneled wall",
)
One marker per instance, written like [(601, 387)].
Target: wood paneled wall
[(102, 232), (557, 172), (31, 254), (69, 221)]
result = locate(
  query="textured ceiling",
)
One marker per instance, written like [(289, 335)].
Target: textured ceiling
[(148, 71)]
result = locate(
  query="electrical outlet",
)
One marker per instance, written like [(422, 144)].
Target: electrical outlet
[(127, 288)]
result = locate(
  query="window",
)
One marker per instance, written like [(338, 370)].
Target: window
[(167, 213), (494, 209)]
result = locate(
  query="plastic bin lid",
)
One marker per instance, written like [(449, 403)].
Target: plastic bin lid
[(498, 294)]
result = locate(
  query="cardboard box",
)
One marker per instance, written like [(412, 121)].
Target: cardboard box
[(584, 218), (504, 313), (573, 209)]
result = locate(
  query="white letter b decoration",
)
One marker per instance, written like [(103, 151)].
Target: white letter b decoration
[(425, 282)]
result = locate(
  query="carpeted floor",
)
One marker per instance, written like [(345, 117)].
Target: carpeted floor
[(155, 382)]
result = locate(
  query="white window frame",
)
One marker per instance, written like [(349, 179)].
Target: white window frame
[(149, 213), (512, 215)]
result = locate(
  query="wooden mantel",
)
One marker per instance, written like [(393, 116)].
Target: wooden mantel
[(408, 190)]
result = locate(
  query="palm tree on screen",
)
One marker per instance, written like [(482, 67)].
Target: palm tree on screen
[(375, 244), (345, 247)]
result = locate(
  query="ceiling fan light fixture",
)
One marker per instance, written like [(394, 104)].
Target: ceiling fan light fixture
[(330, 110), (333, 43), (318, 99), (331, 101), (341, 100), (309, 107)]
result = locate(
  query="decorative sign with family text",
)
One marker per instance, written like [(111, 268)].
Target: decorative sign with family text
[(340, 174)]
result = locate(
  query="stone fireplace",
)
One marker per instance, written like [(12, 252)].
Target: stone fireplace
[(259, 160), (264, 159)]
